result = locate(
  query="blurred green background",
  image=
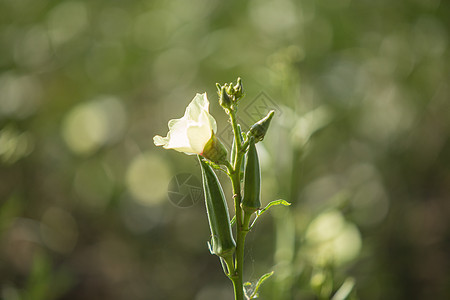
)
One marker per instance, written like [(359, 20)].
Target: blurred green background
[(360, 146)]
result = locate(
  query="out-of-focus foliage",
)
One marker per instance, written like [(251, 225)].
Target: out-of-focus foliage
[(359, 145)]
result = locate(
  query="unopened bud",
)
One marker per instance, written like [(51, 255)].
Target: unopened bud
[(238, 90), (224, 99), (259, 129)]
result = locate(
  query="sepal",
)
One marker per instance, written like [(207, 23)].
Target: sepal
[(215, 151)]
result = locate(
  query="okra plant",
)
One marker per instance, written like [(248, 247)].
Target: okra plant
[(195, 134)]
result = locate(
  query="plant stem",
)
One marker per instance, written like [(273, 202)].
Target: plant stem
[(237, 137), (241, 234), (240, 239), (241, 225)]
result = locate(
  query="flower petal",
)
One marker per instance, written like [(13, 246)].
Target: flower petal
[(212, 123), (190, 133), (177, 134), (176, 138), (198, 104), (160, 141), (199, 133)]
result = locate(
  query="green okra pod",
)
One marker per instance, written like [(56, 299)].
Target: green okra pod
[(223, 243), (251, 201), (259, 129)]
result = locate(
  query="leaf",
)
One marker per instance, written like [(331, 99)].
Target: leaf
[(242, 135), (345, 289), (214, 165), (260, 281), (224, 266), (210, 248), (273, 203), (233, 221)]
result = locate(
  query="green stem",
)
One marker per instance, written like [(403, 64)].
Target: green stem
[(242, 233), (237, 137), (240, 238), (241, 225)]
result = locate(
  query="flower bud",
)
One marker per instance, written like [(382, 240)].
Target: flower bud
[(229, 88), (251, 200), (238, 90), (215, 151), (224, 99), (259, 129), (223, 243)]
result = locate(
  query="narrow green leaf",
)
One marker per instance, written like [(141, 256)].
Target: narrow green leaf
[(273, 203), (215, 166), (233, 221), (243, 136), (259, 283)]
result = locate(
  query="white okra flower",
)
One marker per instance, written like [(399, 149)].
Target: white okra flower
[(195, 132)]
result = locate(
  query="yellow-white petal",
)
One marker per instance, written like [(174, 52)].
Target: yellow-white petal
[(190, 133), (198, 104), (199, 133)]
